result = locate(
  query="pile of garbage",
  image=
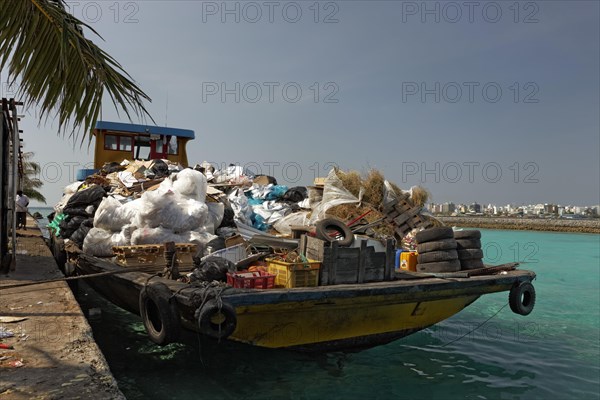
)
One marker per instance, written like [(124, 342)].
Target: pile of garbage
[(157, 201)]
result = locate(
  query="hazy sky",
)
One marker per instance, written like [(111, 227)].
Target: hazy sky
[(477, 101)]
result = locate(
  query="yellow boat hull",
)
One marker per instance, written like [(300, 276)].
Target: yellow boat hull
[(341, 323), (323, 318)]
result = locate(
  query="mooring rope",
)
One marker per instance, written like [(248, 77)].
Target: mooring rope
[(458, 338)]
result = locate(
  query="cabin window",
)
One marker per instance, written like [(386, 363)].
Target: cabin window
[(118, 143), (111, 142), (142, 148), (172, 140), (125, 143)]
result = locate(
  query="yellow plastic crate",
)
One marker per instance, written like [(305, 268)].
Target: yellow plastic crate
[(292, 275)]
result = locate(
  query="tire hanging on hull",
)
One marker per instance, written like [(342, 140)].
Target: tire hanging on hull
[(160, 314), (216, 319)]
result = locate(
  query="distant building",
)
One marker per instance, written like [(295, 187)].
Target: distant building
[(448, 208), (475, 207), (550, 209)]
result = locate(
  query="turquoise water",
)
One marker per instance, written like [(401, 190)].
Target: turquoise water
[(552, 353)]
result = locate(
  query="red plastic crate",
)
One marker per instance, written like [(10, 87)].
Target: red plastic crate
[(251, 280)]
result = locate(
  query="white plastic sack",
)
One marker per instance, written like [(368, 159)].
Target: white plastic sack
[(216, 211), (191, 184), (299, 218), (60, 206), (105, 215), (159, 235), (99, 242), (72, 188), (201, 238), (172, 211), (112, 215), (389, 195), (334, 194), (68, 191)]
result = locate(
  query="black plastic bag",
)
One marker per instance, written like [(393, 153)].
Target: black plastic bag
[(160, 169), (111, 167), (228, 217), (213, 269), (217, 243), (77, 212), (70, 225), (83, 198), (79, 235), (295, 194)]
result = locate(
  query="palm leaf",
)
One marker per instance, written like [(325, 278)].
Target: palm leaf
[(60, 70)]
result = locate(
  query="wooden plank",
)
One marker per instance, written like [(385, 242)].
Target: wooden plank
[(389, 206), (315, 248), (361, 261), (348, 252), (401, 219), (391, 215), (374, 265), (389, 260)]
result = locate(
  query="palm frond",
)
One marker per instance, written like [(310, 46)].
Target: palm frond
[(60, 70), (34, 195)]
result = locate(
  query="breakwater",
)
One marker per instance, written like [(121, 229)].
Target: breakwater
[(526, 224)]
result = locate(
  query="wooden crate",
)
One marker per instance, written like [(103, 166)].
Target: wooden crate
[(342, 265), (153, 256)]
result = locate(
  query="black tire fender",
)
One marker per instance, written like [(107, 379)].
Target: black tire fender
[(325, 226), (434, 234), (159, 313), (468, 244), (470, 254), (467, 234), (443, 266), (522, 298), (225, 314), (437, 256), (471, 264), (445, 244)]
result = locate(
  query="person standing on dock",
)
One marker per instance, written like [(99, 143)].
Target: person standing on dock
[(22, 201)]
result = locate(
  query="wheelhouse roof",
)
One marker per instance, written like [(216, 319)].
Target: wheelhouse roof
[(147, 129)]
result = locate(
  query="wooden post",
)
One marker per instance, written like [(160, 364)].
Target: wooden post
[(302, 245), (389, 260), (172, 265), (334, 261), (361, 261)]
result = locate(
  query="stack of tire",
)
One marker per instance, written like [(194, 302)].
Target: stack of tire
[(468, 246), (437, 250)]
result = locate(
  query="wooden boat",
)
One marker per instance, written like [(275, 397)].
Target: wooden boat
[(371, 306), (321, 318)]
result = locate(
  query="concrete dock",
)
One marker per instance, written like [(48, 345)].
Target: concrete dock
[(54, 355)]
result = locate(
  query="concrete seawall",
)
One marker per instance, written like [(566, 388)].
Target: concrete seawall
[(54, 354), (526, 224)]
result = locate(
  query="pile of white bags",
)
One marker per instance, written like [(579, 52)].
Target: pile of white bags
[(176, 211)]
